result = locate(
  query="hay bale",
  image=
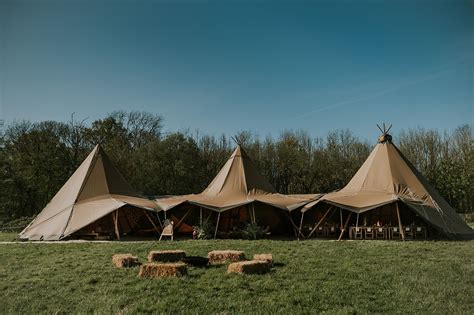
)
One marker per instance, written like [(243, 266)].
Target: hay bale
[(221, 256), (125, 260), (155, 270), (264, 257), (166, 255), (249, 267)]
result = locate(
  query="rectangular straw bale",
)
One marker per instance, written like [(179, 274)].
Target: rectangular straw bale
[(125, 260), (221, 256), (166, 255), (249, 267), (163, 270), (264, 257)]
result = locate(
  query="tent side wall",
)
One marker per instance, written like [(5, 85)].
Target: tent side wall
[(131, 221), (270, 218), (385, 215)]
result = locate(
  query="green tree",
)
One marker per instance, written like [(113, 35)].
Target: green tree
[(178, 165), (34, 167)]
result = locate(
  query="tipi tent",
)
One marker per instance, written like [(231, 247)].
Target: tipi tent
[(239, 184), (94, 191), (387, 178)]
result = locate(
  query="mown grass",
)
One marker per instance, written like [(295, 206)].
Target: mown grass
[(309, 277), (8, 236)]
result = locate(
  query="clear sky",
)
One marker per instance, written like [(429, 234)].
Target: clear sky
[(226, 66)]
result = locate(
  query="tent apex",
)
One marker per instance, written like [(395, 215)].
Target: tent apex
[(385, 136)]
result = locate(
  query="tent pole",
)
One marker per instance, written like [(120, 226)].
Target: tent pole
[(295, 228), (113, 223), (399, 222), (200, 216), (217, 225), (340, 214), (345, 226), (357, 227), (319, 223), (159, 220), (128, 221), (117, 233), (253, 214), (250, 214), (229, 218), (151, 221), (184, 217), (301, 226)]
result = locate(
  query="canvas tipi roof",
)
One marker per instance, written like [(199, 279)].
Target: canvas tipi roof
[(94, 190), (386, 177), (239, 175), (238, 183)]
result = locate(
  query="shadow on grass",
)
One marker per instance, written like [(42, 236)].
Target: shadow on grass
[(214, 266)]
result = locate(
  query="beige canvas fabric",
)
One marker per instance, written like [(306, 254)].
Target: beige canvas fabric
[(238, 183), (386, 177), (94, 190)]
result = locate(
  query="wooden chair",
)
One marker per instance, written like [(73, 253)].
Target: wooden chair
[(380, 233), (409, 234), (332, 231), (369, 233), (420, 232), (168, 229), (321, 231), (395, 233), (358, 233), (266, 230)]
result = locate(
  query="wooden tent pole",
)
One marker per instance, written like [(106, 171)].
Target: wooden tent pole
[(229, 219), (253, 214), (200, 216), (151, 221), (217, 225), (399, 221), (117, 233), (340, 214), (301, 226), (113, 223), (357, 227), (128, 221), (319, 223), (249, 212), (345, 226), (184, 217), (295, 228), (159, 220)]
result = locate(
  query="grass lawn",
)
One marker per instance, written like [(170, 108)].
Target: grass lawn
[(310, 276), (7, 236)]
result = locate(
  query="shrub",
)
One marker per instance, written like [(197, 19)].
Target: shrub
[(252, 231), (204, 231), (15, 225)]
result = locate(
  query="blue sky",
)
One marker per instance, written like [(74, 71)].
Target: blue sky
[(226, 66)]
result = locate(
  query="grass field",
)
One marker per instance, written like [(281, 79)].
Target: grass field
[(7, 236), (310, 276)]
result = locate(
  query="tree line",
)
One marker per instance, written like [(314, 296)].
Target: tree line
[(36, 158)]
